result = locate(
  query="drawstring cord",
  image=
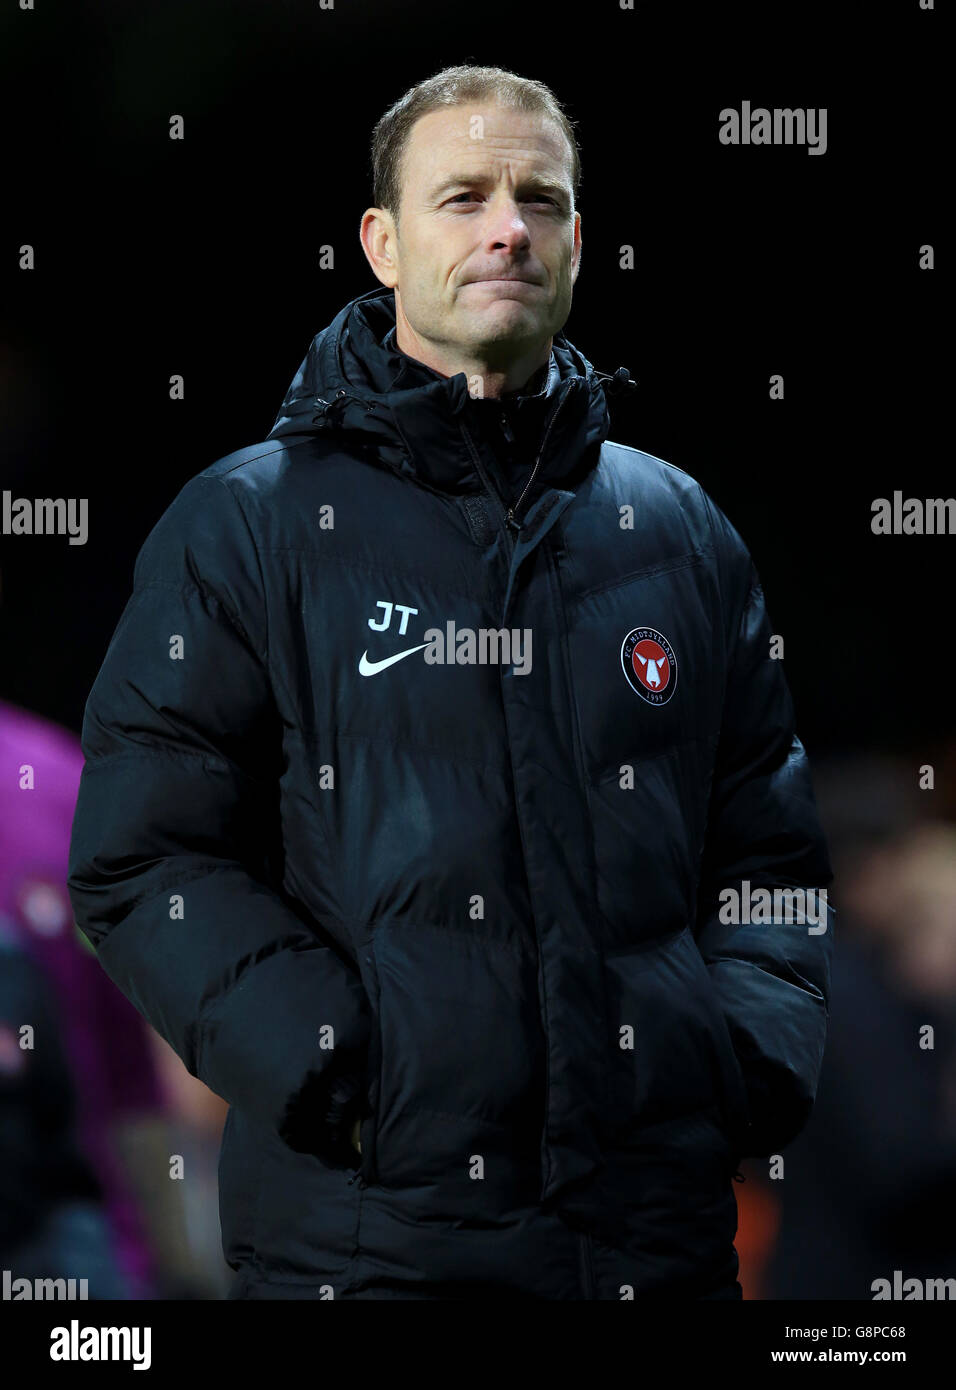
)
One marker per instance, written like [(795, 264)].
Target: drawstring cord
[(324, 408), (615, 382)]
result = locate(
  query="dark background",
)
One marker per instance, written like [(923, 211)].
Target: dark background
[(201, 256)]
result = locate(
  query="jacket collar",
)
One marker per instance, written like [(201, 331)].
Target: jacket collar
[(357, 384)]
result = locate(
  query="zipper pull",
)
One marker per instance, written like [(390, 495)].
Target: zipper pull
[(506, 429)]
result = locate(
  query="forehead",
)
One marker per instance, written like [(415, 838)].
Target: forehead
[(481, 135)]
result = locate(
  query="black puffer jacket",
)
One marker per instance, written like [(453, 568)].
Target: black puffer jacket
[(475, 900)]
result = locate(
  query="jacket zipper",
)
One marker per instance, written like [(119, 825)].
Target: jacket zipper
[(507, 518), (508, 515), (489, 487), (547, 433), (509, 523)]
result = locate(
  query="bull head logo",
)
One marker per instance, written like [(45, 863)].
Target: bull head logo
[(653, 668)]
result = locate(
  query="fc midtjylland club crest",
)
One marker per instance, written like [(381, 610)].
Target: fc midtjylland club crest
[(649, 664)]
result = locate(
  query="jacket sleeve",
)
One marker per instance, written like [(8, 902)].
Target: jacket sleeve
[(772, 979), (175, 841)]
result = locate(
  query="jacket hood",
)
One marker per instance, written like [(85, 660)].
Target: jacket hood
[(356, 383)]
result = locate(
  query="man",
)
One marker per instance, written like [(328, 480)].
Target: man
[(432, 731)]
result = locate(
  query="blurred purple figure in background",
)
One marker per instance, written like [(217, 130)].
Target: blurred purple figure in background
[(102, 1035), (132, 1109)]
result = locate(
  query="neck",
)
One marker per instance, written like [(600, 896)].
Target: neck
[(523, 375)]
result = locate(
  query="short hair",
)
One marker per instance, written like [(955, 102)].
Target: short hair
[(457, 86)]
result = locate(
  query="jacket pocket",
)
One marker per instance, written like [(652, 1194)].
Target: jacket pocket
[(368, 1131), (672, 1054), (456, 1066)]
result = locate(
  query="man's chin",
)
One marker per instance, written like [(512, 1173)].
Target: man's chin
[(504, 320)]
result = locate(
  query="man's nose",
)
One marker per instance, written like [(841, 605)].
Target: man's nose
[(506, 223)]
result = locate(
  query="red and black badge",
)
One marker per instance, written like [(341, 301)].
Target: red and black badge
[(649, 664)]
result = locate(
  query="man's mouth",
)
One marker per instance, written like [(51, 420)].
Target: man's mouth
[(503, 280)]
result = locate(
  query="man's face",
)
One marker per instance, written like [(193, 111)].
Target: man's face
[(486, 194)]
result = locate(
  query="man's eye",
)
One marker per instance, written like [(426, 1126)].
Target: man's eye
[(537, 198)]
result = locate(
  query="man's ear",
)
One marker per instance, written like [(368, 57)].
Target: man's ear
[(576, 253), (378, 237)]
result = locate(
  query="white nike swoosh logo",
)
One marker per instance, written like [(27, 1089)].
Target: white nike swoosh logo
[(372, 668)]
